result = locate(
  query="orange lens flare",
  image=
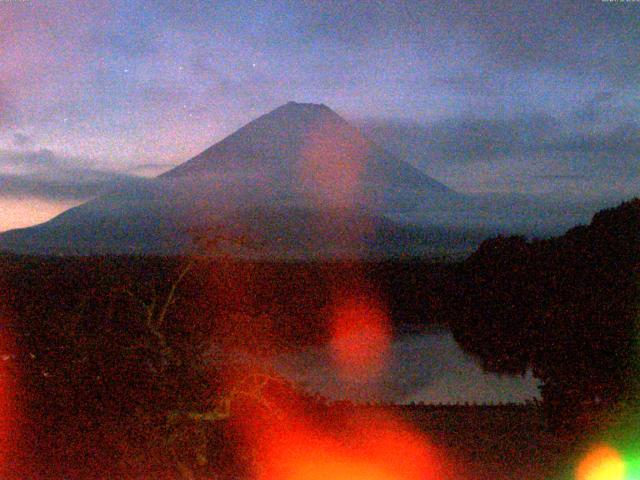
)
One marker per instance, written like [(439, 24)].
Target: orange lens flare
[(367, 448), (601, 463), (360, 338), (286, 436)]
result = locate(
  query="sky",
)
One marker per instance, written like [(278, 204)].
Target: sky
[(535, 97)]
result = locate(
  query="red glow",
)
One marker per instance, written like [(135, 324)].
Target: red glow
[(286, 436), (360, 337), (8, 406), (364, 448), (290, 440), (332, 165)]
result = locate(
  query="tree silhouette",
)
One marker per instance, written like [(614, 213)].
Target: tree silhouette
[(566, 308)]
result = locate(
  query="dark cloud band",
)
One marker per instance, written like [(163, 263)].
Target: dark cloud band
[(49, 176)]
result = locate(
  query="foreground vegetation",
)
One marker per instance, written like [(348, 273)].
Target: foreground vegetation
[(116, 365)]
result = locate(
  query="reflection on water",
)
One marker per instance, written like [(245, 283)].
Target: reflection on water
[(428, 368)]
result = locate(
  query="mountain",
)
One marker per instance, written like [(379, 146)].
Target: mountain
[(285, 144), (301, 179)]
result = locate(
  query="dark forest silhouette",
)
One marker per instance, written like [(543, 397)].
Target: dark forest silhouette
[(566, 308)]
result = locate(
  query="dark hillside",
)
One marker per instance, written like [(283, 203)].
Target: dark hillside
[(565, 307)]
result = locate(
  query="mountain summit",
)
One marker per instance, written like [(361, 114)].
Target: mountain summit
[(299, 164), (305, 145)]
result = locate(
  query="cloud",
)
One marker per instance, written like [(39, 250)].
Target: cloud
[(22, 140), (43, 162), (594, 109), (593, 149), (622, 141), (4, 109), (7, 109), (572, 35), (589, 132), (461, 140), (561, 177), (467, 83), (73, 188), (150, 169), (46, 175)]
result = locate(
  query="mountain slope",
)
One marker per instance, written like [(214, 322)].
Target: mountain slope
[(295, 137), (301, 163)]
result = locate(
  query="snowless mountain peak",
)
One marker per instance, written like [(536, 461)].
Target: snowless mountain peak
[(291, 168), (298, 144)]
